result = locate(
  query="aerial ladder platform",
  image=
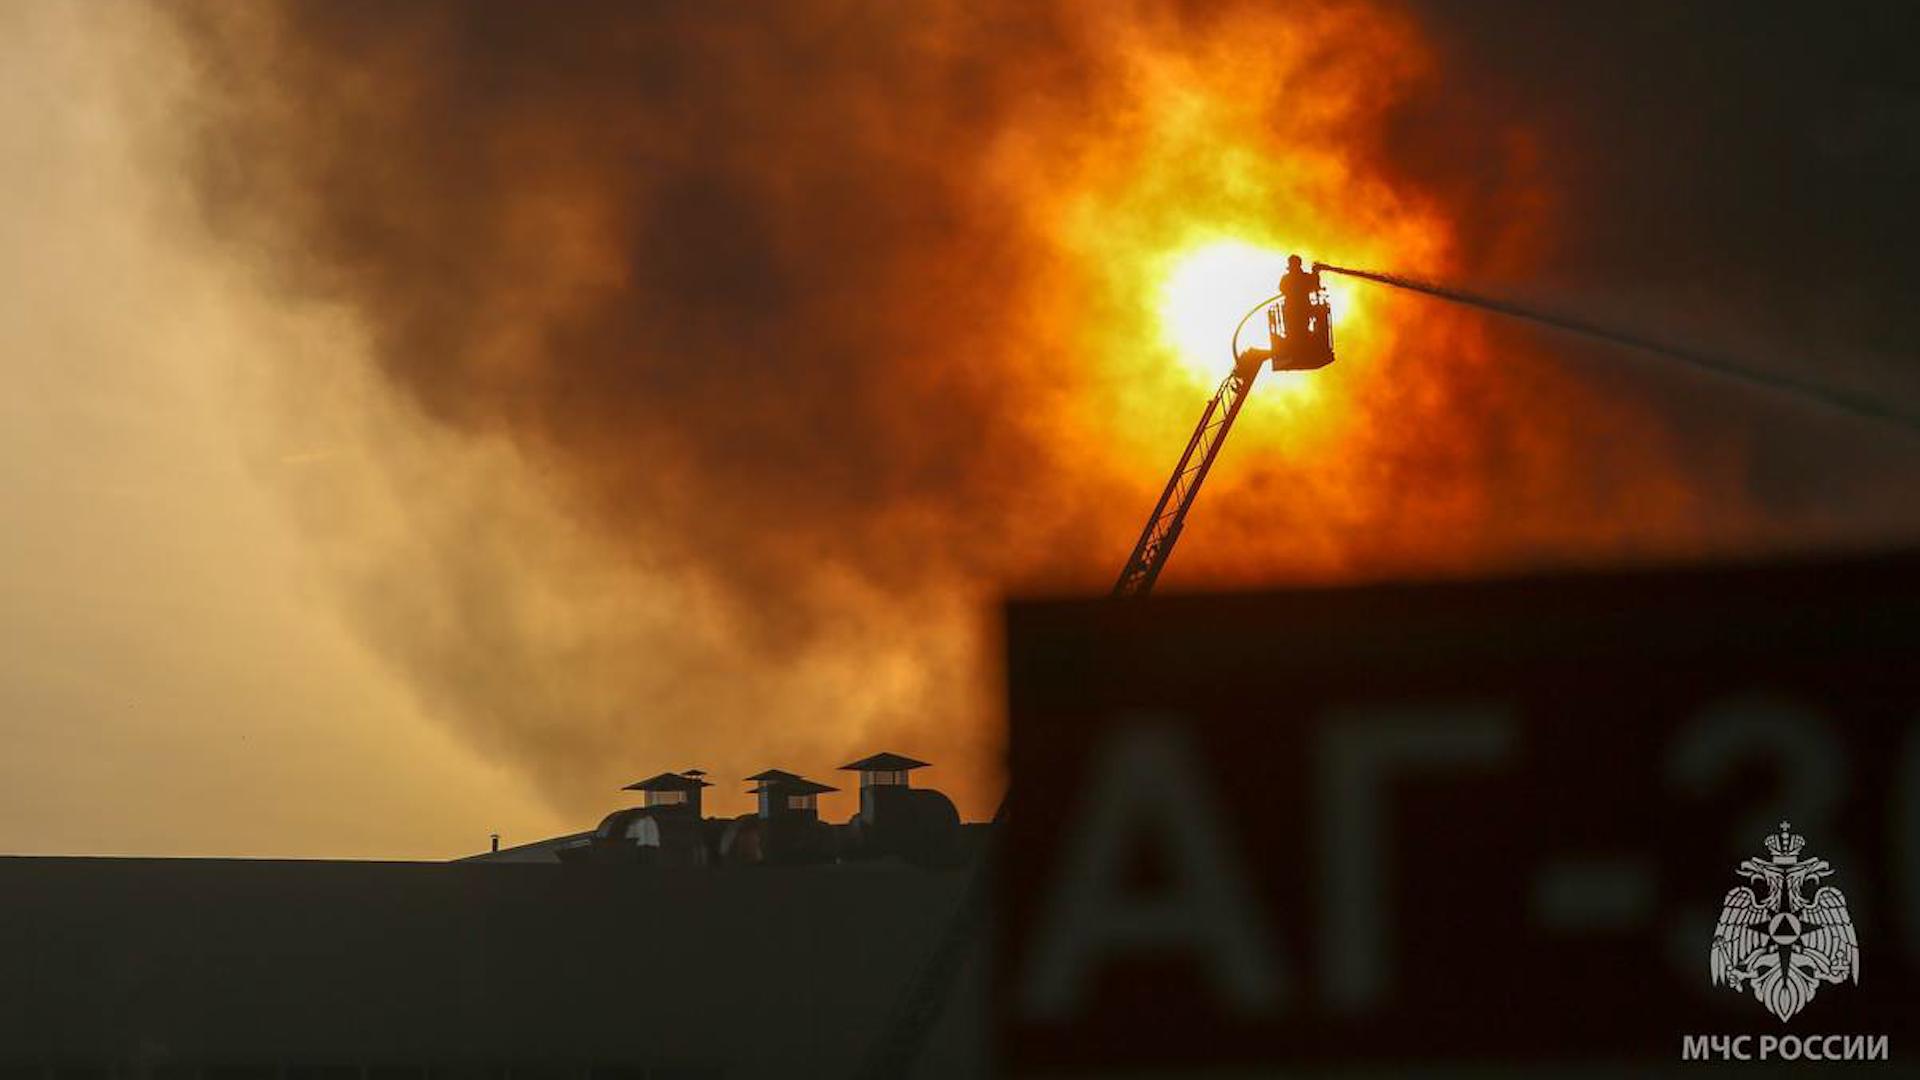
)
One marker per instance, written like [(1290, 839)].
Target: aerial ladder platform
[(1296, 341)]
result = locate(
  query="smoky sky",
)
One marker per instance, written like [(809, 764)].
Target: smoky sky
[(1760, 151), (1740, 162), (749, 287), (784, 259), (1741, 173)]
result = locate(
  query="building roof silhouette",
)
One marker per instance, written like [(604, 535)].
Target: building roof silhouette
[(667, 781), (884, 762), (799, 785)]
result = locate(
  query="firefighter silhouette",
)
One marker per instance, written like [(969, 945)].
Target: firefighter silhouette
[(1297, 309)]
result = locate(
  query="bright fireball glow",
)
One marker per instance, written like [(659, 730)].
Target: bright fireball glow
[(1206, 292), (1211, 288)]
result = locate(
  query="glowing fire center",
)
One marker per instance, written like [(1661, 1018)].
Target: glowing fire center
[(1206, 291)]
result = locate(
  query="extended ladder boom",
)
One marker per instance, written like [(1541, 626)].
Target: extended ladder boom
[(1170, 513), (921, 1002)]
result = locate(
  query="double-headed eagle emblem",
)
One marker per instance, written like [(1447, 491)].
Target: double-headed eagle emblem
[(1783, 945)]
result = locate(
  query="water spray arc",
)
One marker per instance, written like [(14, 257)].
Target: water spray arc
[(1314, 349), (1716, 363)]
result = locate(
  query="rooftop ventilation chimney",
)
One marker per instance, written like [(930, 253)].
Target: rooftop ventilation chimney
[(782, 794), (919, 825), (880, 771), (671, 789), (762, 781)]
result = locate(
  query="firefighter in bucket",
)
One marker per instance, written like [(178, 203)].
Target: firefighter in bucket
[(1300, 330)]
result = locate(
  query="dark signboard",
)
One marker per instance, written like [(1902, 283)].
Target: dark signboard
[(1467, 823)]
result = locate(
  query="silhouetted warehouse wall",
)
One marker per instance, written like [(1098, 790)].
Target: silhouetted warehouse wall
[(727, 972)]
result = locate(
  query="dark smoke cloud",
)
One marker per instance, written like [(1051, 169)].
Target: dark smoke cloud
[(743, 287), (650, 239), (1737, 174), (1696, 141), (732, 276)]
